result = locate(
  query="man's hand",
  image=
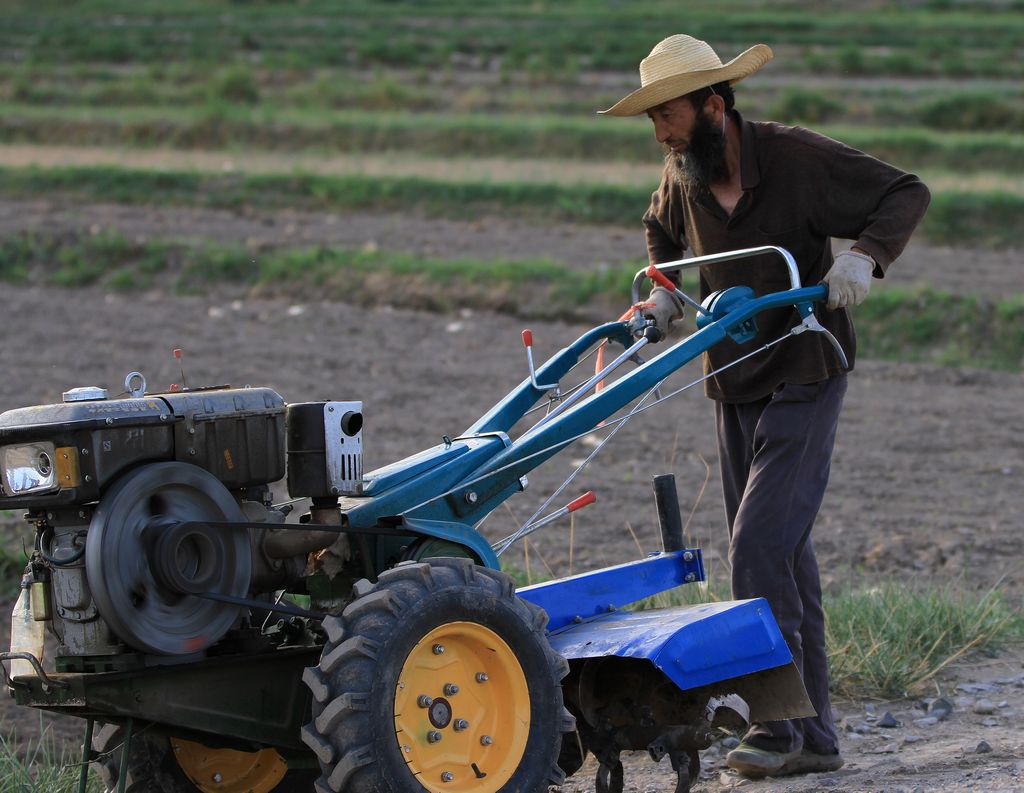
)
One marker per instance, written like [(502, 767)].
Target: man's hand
[(665, 308), (849, 279)]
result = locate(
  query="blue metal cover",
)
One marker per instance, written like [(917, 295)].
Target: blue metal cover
[(693, 645)]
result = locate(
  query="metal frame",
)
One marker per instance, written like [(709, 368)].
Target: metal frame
[(458, 483)]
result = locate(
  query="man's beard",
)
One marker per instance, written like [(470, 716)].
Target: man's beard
[(703, 163)]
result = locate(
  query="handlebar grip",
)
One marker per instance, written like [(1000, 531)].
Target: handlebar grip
[(582, 501), (660, 278)]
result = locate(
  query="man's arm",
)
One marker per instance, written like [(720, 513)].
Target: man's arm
[(873, 203)]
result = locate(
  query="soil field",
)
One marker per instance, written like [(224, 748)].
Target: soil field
[(926, 478)]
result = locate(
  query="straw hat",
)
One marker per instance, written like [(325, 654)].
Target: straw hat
[(681, 64)]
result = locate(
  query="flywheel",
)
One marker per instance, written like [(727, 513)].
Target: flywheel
[(148, 558)]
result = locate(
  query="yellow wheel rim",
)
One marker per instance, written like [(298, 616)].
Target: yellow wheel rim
[(227, 770), (462, 710)]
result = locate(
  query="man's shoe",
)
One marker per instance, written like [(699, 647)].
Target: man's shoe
[(809, 762), (756, 763)]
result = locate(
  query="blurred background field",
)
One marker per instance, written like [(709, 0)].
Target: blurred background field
[(463, 110)]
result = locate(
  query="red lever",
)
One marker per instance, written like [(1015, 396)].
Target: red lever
[(178, 352), (527, 338), (660, 278), (582, 501)]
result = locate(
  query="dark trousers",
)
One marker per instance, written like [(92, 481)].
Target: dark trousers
[(776, 454)]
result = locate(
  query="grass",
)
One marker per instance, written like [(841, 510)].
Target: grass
[(457, 135), (923, 325), (41, 768), (927, 325), (537, 37), (963, 218), (891, 640)]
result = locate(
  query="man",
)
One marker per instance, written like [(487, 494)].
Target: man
[(729, 183)]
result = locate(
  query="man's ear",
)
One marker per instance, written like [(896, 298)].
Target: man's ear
[(715, 106)]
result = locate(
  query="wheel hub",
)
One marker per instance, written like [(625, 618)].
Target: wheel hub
[(462, 710)]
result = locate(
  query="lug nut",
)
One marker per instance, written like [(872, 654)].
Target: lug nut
[(481, 677), (433, 736), (450, 689), (486, 740), (447, 776), (438, 649), (460, 725), (424, 701)]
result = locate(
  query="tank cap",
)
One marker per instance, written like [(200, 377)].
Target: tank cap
[(86, 393)]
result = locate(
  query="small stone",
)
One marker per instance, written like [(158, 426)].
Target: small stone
[(869, 707), (1003, 704), (990, 722), (730, 742), (964, 702), (888, 721), (984, 707), (885, 748), (975, 688), (940, 708), (863, 728), (911, 739), (983, 747), (926, 721)]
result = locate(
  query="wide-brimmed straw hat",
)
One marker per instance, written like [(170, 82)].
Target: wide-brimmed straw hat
[(681, 64)]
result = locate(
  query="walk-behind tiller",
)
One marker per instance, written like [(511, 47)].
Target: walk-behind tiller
[(373, 646)]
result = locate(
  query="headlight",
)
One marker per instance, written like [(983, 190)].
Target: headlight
[(28, 468)]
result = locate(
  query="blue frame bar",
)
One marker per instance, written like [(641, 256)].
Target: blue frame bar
[(577, 598)]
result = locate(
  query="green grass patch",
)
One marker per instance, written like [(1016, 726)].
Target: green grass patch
[(974, 218), (897, 324), (583, 137), (891, 640), (41, 768), (990, 219), (539, 38), (937, 327)]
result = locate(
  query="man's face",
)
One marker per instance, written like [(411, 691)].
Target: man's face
[(673, 121), (694, 144)]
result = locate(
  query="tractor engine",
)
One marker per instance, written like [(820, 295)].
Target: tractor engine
[(146, 506)]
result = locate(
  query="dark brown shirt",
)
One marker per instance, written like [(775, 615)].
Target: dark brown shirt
[(799, 190)]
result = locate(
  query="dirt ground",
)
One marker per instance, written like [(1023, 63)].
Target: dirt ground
[(926, 480)]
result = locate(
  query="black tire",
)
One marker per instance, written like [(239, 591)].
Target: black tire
[(356, 726), (575, 747), (152, 766)]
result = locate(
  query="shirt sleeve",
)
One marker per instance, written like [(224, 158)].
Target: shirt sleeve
[(873, 203), (663, 232)]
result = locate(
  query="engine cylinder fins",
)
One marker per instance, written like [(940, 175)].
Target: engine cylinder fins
[(147, 559)]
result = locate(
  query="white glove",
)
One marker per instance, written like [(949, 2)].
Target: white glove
[(849, 279), (666, 308)]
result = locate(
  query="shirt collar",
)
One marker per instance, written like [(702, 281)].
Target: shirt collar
[(750, 173)]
